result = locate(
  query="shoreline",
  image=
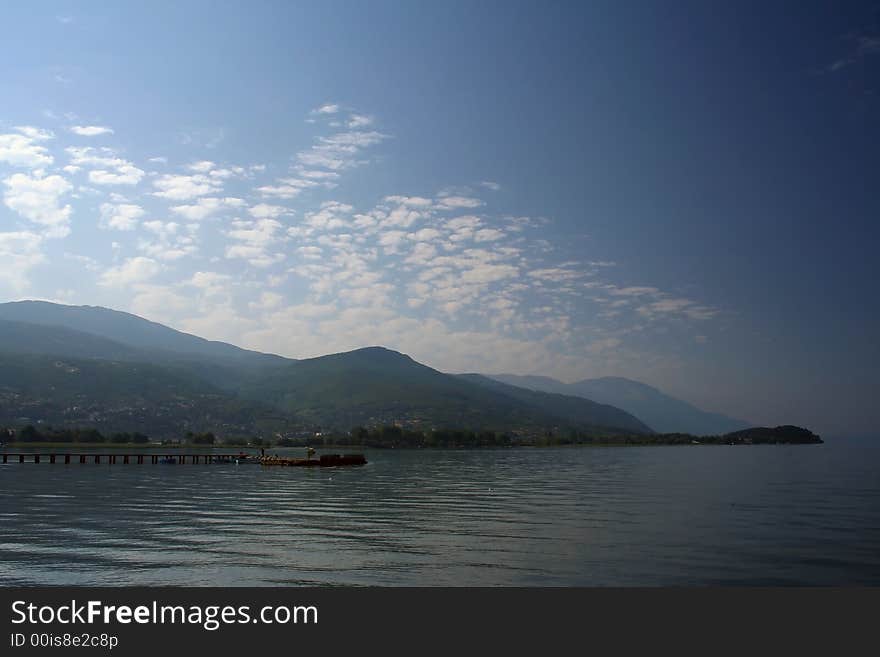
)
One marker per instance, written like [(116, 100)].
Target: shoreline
[(232, 448)]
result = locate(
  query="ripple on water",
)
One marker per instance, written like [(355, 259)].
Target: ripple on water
[(618, 516)]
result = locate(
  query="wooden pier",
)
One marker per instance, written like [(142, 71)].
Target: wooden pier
[(127, 459)]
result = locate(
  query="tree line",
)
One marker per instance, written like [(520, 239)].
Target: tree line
[(31, 434)]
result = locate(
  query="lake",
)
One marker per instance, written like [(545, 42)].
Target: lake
[(585, 516)]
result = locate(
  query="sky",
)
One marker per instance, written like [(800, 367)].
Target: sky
[(684, 194)]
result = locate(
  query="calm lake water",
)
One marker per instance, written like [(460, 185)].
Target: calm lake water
[(771, 515)]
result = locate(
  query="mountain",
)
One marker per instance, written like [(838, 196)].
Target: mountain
[(133, 331), (376, 385), (658, 410), (25, 338), (93, 366), (113, 395), (574, 408)]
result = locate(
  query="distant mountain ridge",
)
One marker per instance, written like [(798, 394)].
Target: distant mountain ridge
[(658, 410), (89, 366), (130, 330)]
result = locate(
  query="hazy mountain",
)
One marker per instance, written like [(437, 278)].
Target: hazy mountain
[(132, 331), (376, 385), (657, 409), (85, 365), (26, 338), (572, 407), (113, 395)]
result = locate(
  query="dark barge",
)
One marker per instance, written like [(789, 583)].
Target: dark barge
[(326, 460)]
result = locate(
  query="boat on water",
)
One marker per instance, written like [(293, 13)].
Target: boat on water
[(235, 459), (325, 460)]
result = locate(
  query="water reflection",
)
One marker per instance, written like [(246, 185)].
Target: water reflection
[(581, 516)]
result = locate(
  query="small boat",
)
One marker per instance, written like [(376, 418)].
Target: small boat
[(326, 460)]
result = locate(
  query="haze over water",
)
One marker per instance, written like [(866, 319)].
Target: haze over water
[(787, 515)]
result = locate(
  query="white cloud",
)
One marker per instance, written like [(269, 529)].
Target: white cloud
[(106, 167), (91, 130), (184, 188), (171, 243), (37, 198), (133, 270), (120, 216), (203, 166), (555, 274), (19, 252), (23, 149), (267, 301), (425, 235), (456, 202), (339, 151), (325, 176), (326, 108), (358, 121), (287, 188), (206, 279), (206, 207), (634, 291), (488, 235), (332, 215), (253, 241), (311, 252), (266, 211)]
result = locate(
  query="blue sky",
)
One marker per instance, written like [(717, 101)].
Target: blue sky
[(684, 195)]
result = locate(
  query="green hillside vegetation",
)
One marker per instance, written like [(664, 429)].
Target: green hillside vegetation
[(122, 396), (375, 386)]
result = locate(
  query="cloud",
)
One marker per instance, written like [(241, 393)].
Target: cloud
[(266, 211), (287, 188), (204, 166), (171, 241), (457, 202), (209, 282), (19, 252), (326, 108), (358, 121), (861, 45), (488, 235), (120, 216), (37, 198), (24, 148), (634, 291), (555, 274), (339, 151), (409, 271), (184, 188), (133, 270), (106, 167), (91, 130), (253, 241), (206, 207)]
